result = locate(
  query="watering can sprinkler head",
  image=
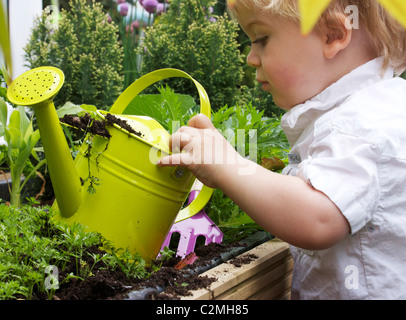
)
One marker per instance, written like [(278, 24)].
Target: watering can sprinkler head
[(36, 88)]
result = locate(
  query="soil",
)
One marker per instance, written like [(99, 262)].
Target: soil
[(87, 123), (240, 261), (168, 283)]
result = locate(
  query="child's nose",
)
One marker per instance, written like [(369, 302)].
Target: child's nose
[(253, 59)]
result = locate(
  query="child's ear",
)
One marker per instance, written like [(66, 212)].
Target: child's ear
[(336, 35)]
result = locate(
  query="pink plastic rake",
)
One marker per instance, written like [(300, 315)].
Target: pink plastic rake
[(191, 228)]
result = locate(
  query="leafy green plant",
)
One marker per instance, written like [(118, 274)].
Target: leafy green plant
[(170, 109), (3, 90), (131, 19), (37, 254), (266, 135), (85, 47), (264, 132), (199, 43), (21, 140)]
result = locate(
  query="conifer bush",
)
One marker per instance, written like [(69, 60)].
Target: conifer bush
[(189, 37), (85, 46)]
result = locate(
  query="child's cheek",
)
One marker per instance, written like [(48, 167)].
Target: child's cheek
[(286, 77)]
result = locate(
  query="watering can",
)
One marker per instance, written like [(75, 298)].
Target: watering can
[(135, 202)]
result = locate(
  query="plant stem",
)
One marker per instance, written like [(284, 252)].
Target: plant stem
[(15, 194)]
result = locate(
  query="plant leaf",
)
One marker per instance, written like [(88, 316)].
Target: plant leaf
[(3, 112), (165, 107), (25, 123), (14, 139), (71, 108)]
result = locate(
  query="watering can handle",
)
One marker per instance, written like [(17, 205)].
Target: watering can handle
[(142, 83)]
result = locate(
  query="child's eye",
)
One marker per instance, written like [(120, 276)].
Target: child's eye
[(261, 41)]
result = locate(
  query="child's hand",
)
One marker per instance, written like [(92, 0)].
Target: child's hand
[(202, 149)]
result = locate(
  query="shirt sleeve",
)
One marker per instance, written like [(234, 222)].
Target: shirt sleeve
[(345, 169)]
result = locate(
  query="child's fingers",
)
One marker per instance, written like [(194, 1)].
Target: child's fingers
[(183, 137), (179, 140), (178, 159), (201, 121)]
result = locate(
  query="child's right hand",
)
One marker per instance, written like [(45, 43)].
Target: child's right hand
[(202, 149)]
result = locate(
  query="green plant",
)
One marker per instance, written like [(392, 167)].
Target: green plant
[(131, 25), (198, 43), (39, 255), (244, 126), (170, 109), (262, 133), (21, 140), (3, 90), (85, 47)]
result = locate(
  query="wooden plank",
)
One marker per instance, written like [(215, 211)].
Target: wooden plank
[(268, 281), (279, 290), (271, 255)]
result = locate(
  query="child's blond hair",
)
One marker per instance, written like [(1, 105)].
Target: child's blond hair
[(387, 36)]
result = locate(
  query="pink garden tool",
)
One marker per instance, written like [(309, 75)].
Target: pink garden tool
[(191, 228)]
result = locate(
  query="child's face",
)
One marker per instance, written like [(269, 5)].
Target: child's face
[(290, 66)]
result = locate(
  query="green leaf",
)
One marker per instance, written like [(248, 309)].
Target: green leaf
[(70, 108), (165, 107), (25, 123), (14, 139), (15, 120), (3, 112)]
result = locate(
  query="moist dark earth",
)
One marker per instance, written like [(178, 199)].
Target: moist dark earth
[(173, 283), (87, 123)]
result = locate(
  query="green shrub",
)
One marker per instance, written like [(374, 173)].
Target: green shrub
[(85, 46), (190, 38)]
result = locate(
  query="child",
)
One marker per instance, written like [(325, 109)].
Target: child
[(341, 203)]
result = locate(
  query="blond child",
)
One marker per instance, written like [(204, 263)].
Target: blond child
[(341, 202)]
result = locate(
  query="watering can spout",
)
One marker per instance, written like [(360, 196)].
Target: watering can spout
[(36, 88)]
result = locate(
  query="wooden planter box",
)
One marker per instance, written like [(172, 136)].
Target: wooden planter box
[(268, 276)]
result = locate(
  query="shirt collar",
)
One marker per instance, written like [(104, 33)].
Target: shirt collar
[(299, 117)]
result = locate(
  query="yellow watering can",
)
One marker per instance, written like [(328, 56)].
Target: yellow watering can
[(135, 202)]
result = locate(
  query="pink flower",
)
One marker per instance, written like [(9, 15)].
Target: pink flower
[(123, 9), (135, 25), (161, 8), (120, 1), (150, 5)]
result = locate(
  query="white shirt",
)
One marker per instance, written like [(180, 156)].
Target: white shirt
[(350, 141)]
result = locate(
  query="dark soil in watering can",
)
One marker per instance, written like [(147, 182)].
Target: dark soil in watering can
[(98, 127)]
